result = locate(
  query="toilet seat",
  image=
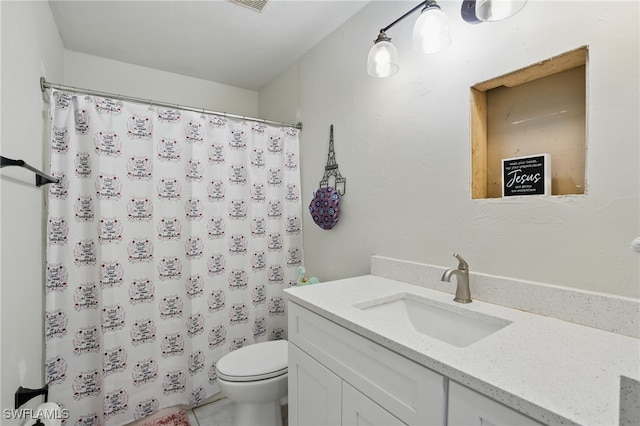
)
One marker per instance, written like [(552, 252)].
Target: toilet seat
[(255, 362)]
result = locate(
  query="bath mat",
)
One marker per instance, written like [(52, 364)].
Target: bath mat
[(178, 418)]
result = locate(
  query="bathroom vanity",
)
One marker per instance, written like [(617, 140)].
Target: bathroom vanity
[(364, 350)]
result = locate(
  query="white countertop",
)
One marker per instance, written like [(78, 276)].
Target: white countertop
[(554, 371)]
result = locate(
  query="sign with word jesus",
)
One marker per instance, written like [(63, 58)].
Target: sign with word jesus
[(526, 175)]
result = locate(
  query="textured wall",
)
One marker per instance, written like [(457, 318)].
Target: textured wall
[(94, 72), (403, 145), (31, 48)]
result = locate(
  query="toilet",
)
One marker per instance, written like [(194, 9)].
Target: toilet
[(255, 378)]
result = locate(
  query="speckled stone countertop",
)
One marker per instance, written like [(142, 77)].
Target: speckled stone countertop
[(554, 371)]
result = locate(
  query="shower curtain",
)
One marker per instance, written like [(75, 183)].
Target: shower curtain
[(170, 237)]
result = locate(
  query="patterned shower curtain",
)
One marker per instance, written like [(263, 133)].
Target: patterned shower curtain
[(170, 238)]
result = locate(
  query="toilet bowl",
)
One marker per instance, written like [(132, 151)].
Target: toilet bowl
[(255, 378)]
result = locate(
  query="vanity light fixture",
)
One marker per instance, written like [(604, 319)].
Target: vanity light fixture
[(431, 30), (430, 35)]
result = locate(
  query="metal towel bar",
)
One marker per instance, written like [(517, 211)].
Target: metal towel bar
[(41, 177)]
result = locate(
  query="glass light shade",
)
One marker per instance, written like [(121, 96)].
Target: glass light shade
[(382, 60), (497, 10), (431, 31)]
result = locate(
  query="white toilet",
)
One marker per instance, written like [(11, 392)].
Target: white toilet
[(255, 378)]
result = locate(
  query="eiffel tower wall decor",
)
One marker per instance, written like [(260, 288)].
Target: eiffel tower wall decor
[(325, 205)]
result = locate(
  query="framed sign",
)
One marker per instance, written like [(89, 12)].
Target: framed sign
[(526, 175)]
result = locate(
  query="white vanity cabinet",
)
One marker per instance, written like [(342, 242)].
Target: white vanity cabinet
[(469, 408), (391, 367), (338, 377)]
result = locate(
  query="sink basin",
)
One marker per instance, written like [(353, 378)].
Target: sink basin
[(456, 326)]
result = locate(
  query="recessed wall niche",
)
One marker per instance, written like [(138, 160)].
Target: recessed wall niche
[(534, 110)]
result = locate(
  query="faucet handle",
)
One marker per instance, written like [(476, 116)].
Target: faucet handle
[(462, 264)]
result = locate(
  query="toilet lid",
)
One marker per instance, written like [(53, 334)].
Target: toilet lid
[(254, 362)]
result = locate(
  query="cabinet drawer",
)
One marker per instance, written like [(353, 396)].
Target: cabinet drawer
[(409, 391), (469, 408), (358, 410)]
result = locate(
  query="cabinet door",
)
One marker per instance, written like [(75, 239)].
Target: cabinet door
[(358, 410), (315, 393), (469, 408)]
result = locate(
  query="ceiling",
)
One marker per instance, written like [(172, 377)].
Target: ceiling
[(215, 40)]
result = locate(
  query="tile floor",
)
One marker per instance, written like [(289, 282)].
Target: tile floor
[(220, 413)]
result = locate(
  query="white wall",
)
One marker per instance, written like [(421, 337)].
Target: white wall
[(31, 48), (106, 75), (403, 144)]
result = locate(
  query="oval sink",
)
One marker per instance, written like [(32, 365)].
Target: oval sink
[(458, 327)]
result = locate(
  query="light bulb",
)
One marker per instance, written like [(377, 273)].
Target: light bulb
[(497, 10), (382, 60), (431, 31)]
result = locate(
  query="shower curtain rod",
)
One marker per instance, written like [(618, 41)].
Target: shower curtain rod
[(47, 85)]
